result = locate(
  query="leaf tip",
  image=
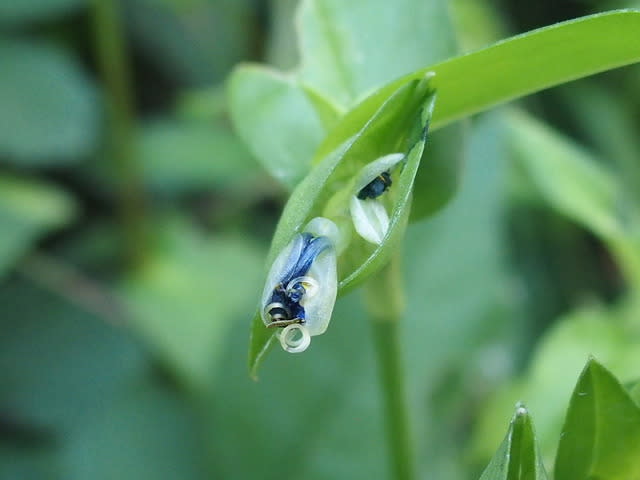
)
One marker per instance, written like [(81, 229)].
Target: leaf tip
[(591, 365), (521, 410)]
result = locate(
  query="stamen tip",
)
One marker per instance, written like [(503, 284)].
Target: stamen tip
[(289, 341)]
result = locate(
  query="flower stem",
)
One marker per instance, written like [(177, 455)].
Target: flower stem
[(111, 55), (627, 256), (385, 303)]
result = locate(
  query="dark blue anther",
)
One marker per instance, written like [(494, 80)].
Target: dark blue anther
[(376, 187)]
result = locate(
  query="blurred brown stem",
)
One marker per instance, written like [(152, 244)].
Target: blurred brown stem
[(111, 55), (71, 284)]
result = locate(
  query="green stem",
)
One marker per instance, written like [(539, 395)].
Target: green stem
[(626, 253), (73, 285), (112, 59), (385, 303)]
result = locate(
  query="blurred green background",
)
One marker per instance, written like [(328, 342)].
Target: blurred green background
[(133, 229)]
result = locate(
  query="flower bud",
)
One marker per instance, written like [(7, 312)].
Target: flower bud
[(368, 212), (302, 284)]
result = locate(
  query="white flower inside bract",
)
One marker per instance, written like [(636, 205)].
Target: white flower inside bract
[(302, 282), (369, 215)]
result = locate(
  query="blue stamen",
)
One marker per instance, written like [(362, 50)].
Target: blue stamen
[(299, 263), (376, 187), (311, 248)]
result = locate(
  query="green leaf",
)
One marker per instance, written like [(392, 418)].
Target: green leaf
[(527, 63), (49, 111), (604, 116), (567, 177), (181, 156), (577, 186), (193, 42), (12, 13), (440, 170), (399, 125), (635, 393), (516, 67), (533, 61), (18, 461), (59, 364), (350, 48), (478, 23), (328, 112), (558, 359), (182, 299), (518, 457), (340, 62), (601, 433), (147, 433), (28, 209), (274, 113), (275, 119)]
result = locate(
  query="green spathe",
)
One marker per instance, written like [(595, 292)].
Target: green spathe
[(400, 125)]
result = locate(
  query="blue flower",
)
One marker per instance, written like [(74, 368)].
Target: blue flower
[(301, 286)]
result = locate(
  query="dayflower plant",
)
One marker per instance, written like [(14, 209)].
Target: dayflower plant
[(364, 172), (343, 221)]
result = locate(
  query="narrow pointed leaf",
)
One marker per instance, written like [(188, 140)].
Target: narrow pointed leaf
[(516, 67), (518, 457), (566, 176), (507, 70), (576, 185), (601, 433)]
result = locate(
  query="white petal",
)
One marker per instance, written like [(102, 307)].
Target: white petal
[(318, 308), (323, 227), (370, 171), (370, 219)]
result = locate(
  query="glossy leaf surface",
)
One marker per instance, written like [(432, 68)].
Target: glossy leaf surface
[(518, 457), (601, 433)]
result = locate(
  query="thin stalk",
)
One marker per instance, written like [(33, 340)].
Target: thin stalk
[(112, 60), (385, 303), (626, 253), (74, 286)]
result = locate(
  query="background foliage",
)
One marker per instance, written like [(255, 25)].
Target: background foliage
[(132, 249)]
